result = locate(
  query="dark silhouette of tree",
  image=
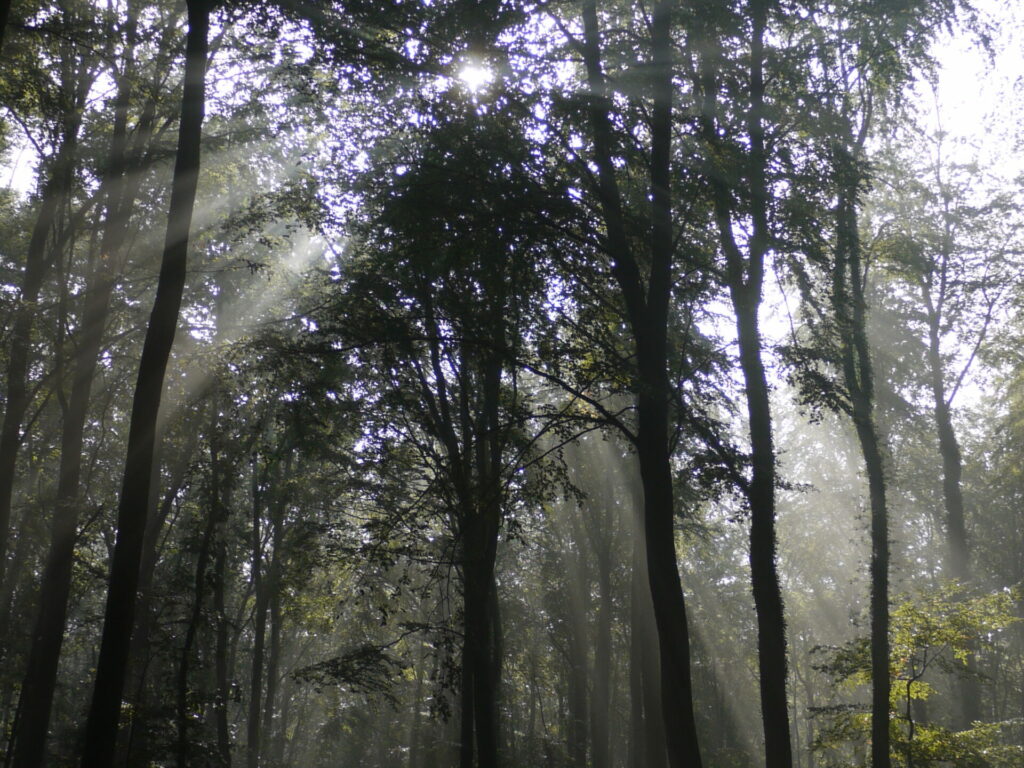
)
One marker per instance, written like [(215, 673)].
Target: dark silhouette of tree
[(104, 712)]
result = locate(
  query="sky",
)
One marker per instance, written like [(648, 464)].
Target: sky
[(979, 98)]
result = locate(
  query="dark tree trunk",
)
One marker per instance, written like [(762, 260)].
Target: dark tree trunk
[(221, 664), (745, 278), (647, 310), (647, 728), (634, 758), (41, 675), (133, 742), (577, 586), (850, 308), (958, 553), (952, 470), (479, 695), (274, 653), (104, 712), (259, 630), (265, 587), (183, 687), (600, 700), (5, 15), (37, 264)]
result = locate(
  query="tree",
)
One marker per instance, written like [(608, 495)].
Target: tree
[(939, 630), (104, 713)]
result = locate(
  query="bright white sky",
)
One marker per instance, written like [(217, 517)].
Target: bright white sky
[(982, 100)]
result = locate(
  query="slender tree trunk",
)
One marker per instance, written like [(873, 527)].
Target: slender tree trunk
[(478, 663), (958, 553), (104, 713), (274, 654), (771, 622), (635, 756), (952, 469), (134, 742), (41, 675), (37, 264), (221, 663), (183, 687), (5, 16), (848, 297), (647, 308), (745, 278), (577, 585), (600, 701), (260, 630), (467, 743)]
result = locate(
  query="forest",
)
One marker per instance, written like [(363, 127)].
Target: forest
[(511, 383)]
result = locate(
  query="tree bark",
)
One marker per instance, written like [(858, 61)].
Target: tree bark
[(104, 712), (479, 696), (41, 675), (5, 15), (958, 553), (37, 264), (850, 309), (274, 653), (745, 278), (600, 700), (183, 688), (262, 596), (647, 310)]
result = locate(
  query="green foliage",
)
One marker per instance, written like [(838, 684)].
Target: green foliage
[(931, 632)]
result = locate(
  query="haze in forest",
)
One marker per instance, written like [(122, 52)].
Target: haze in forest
[(580, 384)]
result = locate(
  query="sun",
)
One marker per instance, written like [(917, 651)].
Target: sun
[(475, 77)]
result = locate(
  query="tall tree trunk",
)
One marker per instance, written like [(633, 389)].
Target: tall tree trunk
[(134, 742), (5, 16), (635, 754), (850, 308), (479, 697), (958, 553), (221, 662), (41, 675), (647, 310), (104, 712), (771, 622), (745, 278), (37, 265), (264, 587), (183, 687), (600, 700), (274, 653), (647, 728), (577, 599), (259, 629)]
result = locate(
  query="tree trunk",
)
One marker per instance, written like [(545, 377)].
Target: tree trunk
[(958, 553), (221, 665), (647, 742), (848, 298), (37, 264), (5, 15), (647, 310), (577, 598), (600, 700), (274, 654), (259, 630), (191, 631), (104, 712), (745, 278), (41, 675)]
